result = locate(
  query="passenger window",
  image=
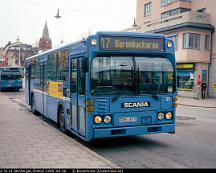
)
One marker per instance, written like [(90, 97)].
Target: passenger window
[(74, 75)]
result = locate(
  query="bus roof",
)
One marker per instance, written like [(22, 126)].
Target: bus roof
[(62, 46), (100, 33), (132, 34)]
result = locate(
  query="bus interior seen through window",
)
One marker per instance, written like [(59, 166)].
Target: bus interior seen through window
[(125, 75)]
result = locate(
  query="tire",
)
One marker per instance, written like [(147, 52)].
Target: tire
[(61, 119)]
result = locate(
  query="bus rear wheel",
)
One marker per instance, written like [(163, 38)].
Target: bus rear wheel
[(61, 120)]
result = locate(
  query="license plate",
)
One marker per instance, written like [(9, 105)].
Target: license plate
[(127, 119)]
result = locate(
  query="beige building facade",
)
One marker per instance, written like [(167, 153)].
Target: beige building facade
[(191, 25)]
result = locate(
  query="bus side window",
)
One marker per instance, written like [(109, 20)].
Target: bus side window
[(74, 75), (62, 70), (62, 65)]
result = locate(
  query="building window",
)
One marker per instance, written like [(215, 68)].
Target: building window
[(147, 9), (174, 12), (174, 38), (191, 40), (165, 14), (167, 2), (207, 42)]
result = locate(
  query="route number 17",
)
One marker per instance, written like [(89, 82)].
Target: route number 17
[(105, 43)]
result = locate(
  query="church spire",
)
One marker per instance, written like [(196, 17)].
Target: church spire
[(45, 34), (45, 41)]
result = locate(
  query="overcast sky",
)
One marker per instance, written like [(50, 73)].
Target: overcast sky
[(26, 18)]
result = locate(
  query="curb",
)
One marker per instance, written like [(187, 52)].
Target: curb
[(197, 106)]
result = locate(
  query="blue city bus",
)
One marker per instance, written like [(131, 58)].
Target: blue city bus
[(11, 78), (109, 85)]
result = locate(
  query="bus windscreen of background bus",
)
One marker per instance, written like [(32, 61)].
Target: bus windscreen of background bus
[(10, 78)]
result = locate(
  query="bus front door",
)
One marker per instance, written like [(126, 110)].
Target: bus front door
[(77, 83), (27, 86)]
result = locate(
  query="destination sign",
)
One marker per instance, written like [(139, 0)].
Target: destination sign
[(131, 43)]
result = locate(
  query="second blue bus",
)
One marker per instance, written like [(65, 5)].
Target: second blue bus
[(11, 78)]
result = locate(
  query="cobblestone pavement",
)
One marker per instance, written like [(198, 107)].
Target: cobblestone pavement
[(28, 142)]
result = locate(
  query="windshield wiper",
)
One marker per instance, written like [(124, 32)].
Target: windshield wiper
[(135, 82), (154, 95)]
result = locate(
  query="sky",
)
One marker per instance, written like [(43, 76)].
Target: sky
[(26, 18)]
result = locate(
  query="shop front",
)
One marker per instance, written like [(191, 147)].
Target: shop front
[(185, 76), (188, 75)]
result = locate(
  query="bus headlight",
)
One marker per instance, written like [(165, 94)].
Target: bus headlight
[(107, 119), (97, 119), (168, 115), (169, 44), (160, 116)]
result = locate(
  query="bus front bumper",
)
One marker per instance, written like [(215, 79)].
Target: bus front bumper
[(134, 130)]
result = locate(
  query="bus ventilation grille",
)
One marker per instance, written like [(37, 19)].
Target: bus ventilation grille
[(102, 105)]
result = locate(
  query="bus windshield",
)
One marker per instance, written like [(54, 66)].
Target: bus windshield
[(11, 75), (131, 75)]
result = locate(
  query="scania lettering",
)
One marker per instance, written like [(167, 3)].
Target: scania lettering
[(136, 105)]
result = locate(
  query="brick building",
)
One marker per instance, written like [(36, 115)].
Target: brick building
[(1, 57), (14, 54)]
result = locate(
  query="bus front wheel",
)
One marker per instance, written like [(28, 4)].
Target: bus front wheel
[(61, 120)]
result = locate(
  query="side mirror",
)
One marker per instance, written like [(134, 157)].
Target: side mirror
[(85, 64)]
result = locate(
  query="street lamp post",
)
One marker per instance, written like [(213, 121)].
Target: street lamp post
[(19, 56), (19, 63)]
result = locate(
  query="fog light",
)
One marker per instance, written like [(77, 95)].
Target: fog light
[(107, 119), (168, 115), (97, 119), (160, 116)]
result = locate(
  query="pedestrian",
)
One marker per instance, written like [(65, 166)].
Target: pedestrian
[(203, 89), (198, 87)]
